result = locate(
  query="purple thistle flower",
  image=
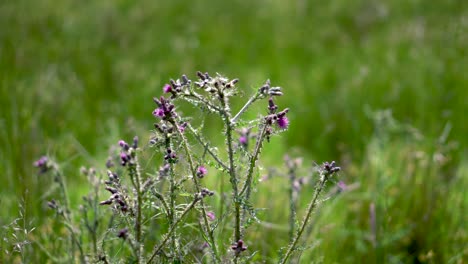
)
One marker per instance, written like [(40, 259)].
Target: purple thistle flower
[(167, 88), (243, 140), (201, 171), (211, 215), (124, 158), (124, 145), (42, 164), (282, 122), (158, 112)]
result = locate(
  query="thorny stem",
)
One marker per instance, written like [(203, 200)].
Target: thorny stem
[(248, 182), (92, 228), (197, 188), (95, 226), (207, 148), (205, 102), (61, 181), (292, 204), (135, 176), (232, 169), (172, 195), (163, 202), (172, 229), (65, 213), (251, 100), (312, 205), (253, 160)]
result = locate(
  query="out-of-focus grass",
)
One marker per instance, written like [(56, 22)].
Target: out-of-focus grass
[(405, 203), (75, 77)]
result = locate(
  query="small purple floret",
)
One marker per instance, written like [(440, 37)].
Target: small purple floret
[(182, 127), (158, 112), (211, 215), (42, 164), (283, 122), (201, 171), (243, 140), (167, 88)]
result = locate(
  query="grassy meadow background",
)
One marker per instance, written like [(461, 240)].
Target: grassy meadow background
[(379, 86)]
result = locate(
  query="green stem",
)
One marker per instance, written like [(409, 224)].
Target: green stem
[(172, 196), (207, 148), (248, 182), (172, 229), (292, 205), (135, 176), (232, 169), (251, 100), (198, 189), (163, 202), (200, 99), (312, 205), (253, 160), (61, 181)]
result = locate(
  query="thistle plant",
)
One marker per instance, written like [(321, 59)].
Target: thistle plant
[(151, 197)]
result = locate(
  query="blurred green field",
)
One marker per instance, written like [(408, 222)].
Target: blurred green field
[(379, 86)]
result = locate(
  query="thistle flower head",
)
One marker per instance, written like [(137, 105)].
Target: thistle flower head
[(282, 122), (167, 88), (211, 215), (43, 164), (158, 112), (201, 171), (243, 140)]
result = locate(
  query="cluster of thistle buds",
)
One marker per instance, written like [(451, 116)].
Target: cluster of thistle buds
[(165, 108), (329, 169), (275, 117), (127, 154), (117, 197), (213, 85), (266, 89), (204, 192)]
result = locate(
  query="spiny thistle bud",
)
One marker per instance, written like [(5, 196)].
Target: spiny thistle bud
[(239, 246), (330, 168), (123, 233)]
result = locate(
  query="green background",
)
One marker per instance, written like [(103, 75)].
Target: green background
[(379, 86)]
